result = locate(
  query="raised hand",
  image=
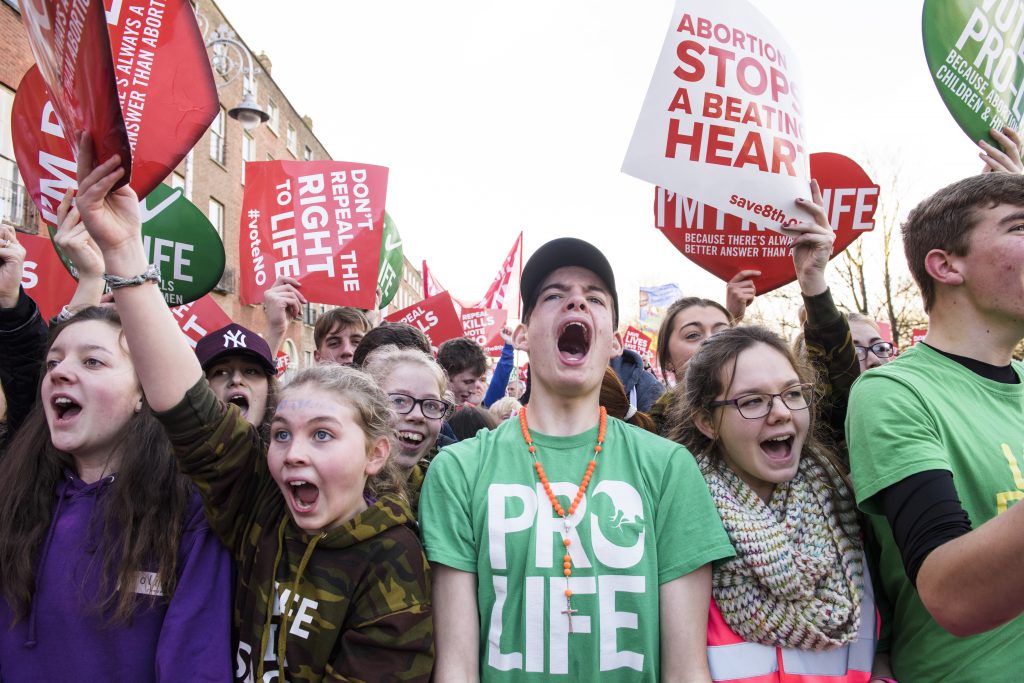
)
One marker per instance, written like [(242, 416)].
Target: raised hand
[(74, 240), (1006, 160), (739, 293), (812, 244), (12, 264), (111, 217)]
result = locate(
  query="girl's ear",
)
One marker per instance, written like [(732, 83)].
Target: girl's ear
[(705, 425), (377, 456)]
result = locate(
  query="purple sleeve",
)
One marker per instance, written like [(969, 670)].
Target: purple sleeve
[(195, 639)]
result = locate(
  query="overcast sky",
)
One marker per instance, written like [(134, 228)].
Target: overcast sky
[(500, 117)]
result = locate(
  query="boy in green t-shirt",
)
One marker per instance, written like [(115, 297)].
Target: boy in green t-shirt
[(936, 443), (568, 545)]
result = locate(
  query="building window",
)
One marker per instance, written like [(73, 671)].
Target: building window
[(13, 3), (309, 314), (216, 216), (307, 154), (275, 116), (309, 358), (290, 141), (176, 181), (248, 152), (270, 157), (217, 131)]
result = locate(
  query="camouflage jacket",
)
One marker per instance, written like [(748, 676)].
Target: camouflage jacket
[(353, 603), (829, 348)]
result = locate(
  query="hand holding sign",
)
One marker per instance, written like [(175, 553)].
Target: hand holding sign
[(12, 263), (111, 216), (74, 241), (1006, 160), (812, 244)]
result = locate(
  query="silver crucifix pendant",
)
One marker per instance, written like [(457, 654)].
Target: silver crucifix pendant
[(569, 611)]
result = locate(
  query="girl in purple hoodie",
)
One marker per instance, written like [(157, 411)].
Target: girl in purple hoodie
[(108, 570)]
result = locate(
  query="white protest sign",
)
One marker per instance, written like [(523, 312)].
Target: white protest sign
[(722, 121)]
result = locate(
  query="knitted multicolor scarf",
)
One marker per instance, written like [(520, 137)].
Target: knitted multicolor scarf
[(798, 575)]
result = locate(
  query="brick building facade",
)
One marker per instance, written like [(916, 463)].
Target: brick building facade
[(212, 176)]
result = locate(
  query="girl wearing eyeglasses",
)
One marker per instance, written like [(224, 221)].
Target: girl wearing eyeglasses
[(795, 601), (416, 385), (872, 350)]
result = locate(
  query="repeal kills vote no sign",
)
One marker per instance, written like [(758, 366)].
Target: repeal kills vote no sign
[(722, 120), (319, 222)]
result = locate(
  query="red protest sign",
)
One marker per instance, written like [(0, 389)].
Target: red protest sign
[(483, 325), (636, 340), (918, 334), (72, 49), (281, 362), (319, 222), (45, 157), (44, 277), (435, 317), (199, 318), (723, 244), (164, 83)]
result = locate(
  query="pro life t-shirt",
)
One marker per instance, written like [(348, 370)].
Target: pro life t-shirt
[(925, 412), (647, 519)]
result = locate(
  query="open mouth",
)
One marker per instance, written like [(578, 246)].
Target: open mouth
[(778, 448), (66, 408), (574, 341), (241, 401), (410, 441), (304, 495)]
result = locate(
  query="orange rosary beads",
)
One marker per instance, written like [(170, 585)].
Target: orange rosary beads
[(556, 506)]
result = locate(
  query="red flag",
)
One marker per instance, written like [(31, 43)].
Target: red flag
[(319, 222), (497, 293), (435, 317)]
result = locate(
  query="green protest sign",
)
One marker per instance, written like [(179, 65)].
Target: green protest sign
[(972, 49), (392, 262), (180, 241)]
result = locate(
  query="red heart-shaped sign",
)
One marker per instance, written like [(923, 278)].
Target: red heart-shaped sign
[(724, 244)]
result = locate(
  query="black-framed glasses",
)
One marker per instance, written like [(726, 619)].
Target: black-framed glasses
[(880, 349), (432, 408), (754, 406)]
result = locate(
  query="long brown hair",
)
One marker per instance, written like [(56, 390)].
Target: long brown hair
[(616, 402), (706, 375), (139, 519)]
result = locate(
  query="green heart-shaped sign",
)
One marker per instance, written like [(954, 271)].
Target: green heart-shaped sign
[(972, 51), (392, 262), (182, 243)]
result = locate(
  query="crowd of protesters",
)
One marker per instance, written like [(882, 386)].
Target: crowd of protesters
[(814, 510)]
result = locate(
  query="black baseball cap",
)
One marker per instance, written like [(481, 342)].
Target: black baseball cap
[(235, 340), (560, 253)]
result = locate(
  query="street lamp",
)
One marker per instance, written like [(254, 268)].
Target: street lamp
[(229, 59), (227, 62)]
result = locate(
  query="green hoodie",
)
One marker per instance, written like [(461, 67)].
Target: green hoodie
[(352, 603)]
